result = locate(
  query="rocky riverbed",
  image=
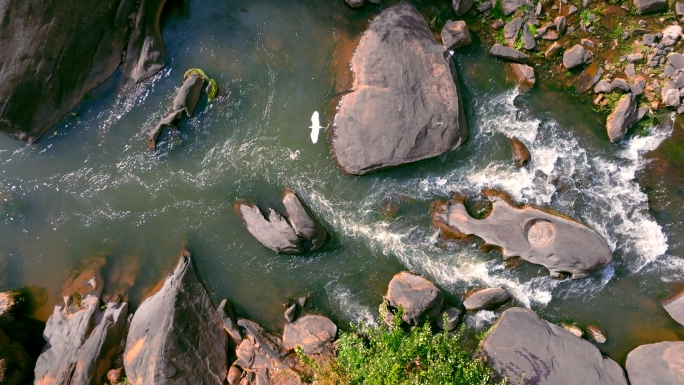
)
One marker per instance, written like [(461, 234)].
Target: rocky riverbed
[(554, 126)]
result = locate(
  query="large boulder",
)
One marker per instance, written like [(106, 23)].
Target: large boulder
[(624, 116), (81, 342), (455, 34), (537, 235), (176, 336), (303, 222), (529, 350), (646, 6), (656, 364), (671, 35), (511, 30), (313, 333), (273, 231), (406, 104), (521, 155), (674, 305), (55, 52), (575, 56), (522, 74), (420, 298), (509, 53), (510, 6)]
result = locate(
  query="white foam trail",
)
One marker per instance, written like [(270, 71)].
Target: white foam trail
[(347, 305), (481, 319)]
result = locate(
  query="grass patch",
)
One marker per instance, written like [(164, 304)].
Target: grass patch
[(384, 355), (497, 11), (611, 101)]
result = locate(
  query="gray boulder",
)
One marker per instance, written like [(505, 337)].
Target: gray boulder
[(511, 30), (81, 341), (561, 23), (656, 364), (406, 105), (176, 336), (624, 116), (184, 103), (420, 299), (646, 6), (291, 313), (670, 94), (510, 6), (671, 35), (228, 320), (486, 299), (674, 305), (575, 56), (527, 349), (619, 85), (313, 333), (536, 235), (509, 53), (552, 51), (462, 6), (679, 8), (302, 222), (527, 38), (66, 49), (453, 317), (455, 34), (676, 60), (602, 87), (272, 231)]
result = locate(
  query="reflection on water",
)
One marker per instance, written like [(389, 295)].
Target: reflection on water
[(91, 188)]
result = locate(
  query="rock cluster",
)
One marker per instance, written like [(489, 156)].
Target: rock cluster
[(536, 235), (291, 235), (406, 104)]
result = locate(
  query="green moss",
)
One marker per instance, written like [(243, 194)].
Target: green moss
[(497, 11), (500, 39), (384, 355), (212, 90), (533, 30), (611, 101)]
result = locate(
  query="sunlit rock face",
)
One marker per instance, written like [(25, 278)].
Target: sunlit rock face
[(537, 235), (405, 105)]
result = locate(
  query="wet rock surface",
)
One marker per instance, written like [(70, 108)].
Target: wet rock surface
[(527, 349), (313, 333), (145, 53), (292, 235), (521, 155), (486, 299), (406, 104), (624, 116), (176, 336), (420, 298), (73, 47), (656, 364), (535, 234), (455, 34), (674, 305)]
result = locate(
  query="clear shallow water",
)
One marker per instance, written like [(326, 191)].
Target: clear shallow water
[(91, 188)]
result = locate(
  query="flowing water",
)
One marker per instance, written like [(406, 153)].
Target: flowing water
[(91, 188)]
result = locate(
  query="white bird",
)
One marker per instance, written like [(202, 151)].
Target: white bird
[(315, 127)]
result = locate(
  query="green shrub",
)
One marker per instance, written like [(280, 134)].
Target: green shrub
[(389, 355)]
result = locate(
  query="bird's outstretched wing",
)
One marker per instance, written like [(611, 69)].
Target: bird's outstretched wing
[(315, 126)]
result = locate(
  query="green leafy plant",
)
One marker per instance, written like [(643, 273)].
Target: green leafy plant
[(212, 90), (384, 355), (533, 30), (500, 39), (125, 381), (617, 32), (497, 11), (77, 300)]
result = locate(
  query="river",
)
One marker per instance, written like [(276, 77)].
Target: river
[(90, 187)]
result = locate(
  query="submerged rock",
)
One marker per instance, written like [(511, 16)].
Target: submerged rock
[(486, 299), (624, 116), (176, 336), (537, 235), (354, 3), (420, 298), (674, 305), (455, 34), (656, 364), (527, 349), (596, 334), (81, 341), (521, 155), (406, 104), (313, 333)]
